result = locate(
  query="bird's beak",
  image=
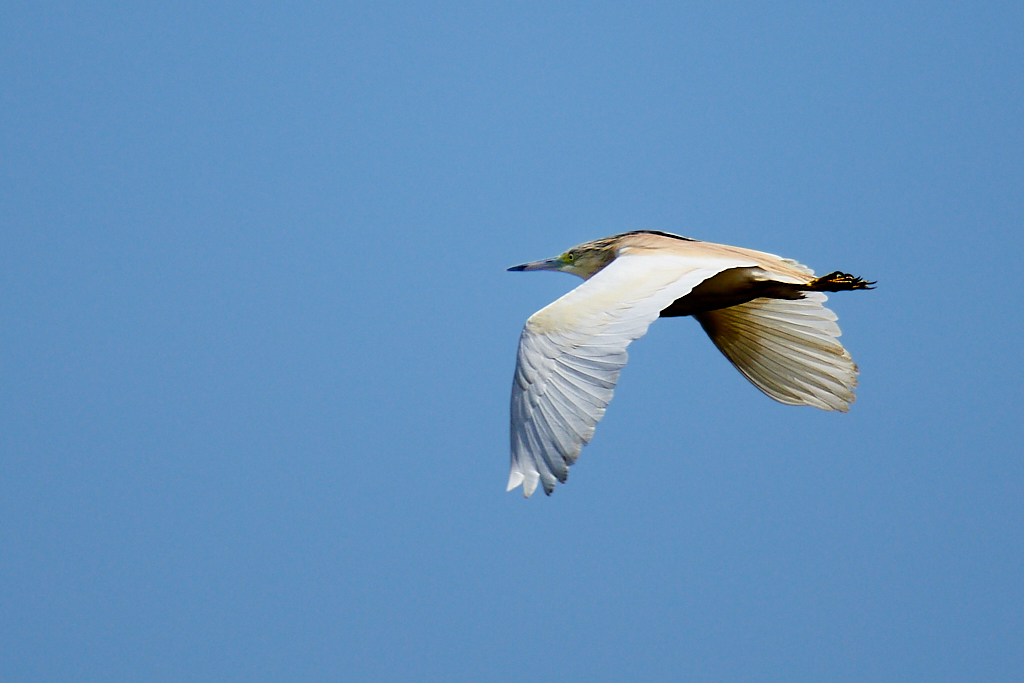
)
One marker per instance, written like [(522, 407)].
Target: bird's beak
[(546, 264)]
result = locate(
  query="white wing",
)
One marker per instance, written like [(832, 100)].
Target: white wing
[(571, 352), (787, 349)]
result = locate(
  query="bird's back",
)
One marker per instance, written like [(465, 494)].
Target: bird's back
[(659, 242)]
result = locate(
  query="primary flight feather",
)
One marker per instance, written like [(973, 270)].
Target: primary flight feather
[(765, 313)]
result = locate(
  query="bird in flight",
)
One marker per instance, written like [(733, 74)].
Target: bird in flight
[(765, 313)]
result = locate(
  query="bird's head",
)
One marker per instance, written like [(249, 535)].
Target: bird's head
[(584, 260)]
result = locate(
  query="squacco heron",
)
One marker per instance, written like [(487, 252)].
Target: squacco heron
[(765, 313)]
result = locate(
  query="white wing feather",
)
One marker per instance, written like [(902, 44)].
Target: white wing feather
[(571, 352), (789, 349)]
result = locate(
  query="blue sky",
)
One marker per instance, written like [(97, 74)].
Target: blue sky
[(257, 339)]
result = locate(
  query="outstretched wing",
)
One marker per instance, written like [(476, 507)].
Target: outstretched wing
[(789, 349), (571, 352)]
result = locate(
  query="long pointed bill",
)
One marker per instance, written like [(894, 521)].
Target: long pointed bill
[(546, 264)]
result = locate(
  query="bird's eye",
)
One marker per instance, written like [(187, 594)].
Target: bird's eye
[(570, 257)]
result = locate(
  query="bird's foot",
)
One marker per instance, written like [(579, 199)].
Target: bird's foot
[(838, 282)]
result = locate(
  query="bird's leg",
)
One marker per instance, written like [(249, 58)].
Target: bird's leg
[(737, 286), (837, 282)]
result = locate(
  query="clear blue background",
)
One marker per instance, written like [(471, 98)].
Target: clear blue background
[(256, 342)]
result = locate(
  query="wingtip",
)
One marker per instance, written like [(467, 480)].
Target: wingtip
[(515, 478), (530, 484)]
